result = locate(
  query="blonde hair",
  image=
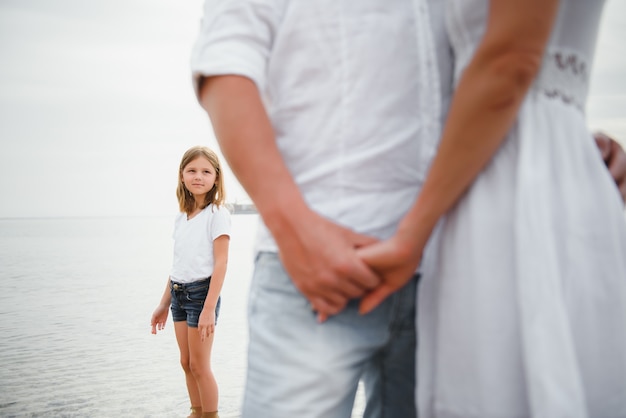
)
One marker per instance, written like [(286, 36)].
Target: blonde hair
[(217, 195)]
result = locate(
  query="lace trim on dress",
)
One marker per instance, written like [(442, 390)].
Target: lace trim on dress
[(564, 75)]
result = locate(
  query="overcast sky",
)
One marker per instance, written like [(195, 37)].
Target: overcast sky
[(96, 104)]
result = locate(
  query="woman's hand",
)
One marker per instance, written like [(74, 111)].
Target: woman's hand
[(206, 322), (615, 159), (159, 318), (395, 261), (321, 259)]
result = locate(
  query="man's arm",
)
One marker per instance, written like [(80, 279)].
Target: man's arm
[(615, 159), (319, 255)]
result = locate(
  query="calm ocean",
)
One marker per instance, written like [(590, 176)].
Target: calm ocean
[(75, 340)]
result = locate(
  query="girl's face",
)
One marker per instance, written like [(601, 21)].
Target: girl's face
[(199, 177)]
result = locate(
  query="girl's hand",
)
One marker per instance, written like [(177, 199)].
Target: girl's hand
[(159, 318), (395, 261), (206, 323)]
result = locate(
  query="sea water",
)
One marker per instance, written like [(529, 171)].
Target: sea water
[(77, 296)]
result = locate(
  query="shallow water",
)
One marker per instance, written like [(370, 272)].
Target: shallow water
[(75, 313)]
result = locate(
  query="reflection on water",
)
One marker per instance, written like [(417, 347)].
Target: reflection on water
[(74, 319)]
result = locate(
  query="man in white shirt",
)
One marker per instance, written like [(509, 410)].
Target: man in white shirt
[(329, 113)]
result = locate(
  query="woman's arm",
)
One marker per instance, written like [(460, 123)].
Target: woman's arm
[(483, 109), (484, 106)]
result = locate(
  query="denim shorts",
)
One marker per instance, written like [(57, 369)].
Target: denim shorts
[(188, 301)]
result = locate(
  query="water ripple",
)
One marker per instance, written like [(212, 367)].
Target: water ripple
[(75, 314)]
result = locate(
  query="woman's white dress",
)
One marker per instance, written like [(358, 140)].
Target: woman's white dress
[(523, 313)]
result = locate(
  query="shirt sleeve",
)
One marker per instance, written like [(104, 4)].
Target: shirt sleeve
[(177, 220), (235, 38), (220, 224)]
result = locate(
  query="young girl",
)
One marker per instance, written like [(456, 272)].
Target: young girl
[(201, 238)]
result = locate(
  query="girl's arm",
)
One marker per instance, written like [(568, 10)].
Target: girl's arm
[(206, 323), (483, 109), (159, 316)]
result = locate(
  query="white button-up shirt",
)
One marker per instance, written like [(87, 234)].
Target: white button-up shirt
[(356, 91)]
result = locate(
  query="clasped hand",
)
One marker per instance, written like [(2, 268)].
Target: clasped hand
[(331, 265)]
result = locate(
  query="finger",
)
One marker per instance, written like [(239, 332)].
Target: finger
[(603, 141), (326, 295), (321, 318), (326, 307), (350, 278), (352, 287), (361, 240), (154, 331), (376, 256), (617, 167), (617, 161), (373, 299), (361, 275)]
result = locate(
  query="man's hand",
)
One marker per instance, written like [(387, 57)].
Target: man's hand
[(321, 259), (615, 159)]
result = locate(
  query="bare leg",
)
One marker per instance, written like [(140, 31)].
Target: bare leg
[(182, 332), (200, 362)]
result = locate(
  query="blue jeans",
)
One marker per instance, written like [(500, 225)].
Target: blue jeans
[(298, 367), (188, 301)]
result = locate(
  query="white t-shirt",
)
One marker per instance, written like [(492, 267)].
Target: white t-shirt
[(356, 91), (193, 243)]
